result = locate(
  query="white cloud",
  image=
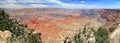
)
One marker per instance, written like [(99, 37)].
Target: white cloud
[(77, 6), (82, 1), (21, 6), (12, 4), (72, 6), (38, 6)]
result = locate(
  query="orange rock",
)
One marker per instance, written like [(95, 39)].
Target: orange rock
[(49, 31)]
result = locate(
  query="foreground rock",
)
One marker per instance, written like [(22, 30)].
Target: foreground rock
[(5, 36), (115, 36)]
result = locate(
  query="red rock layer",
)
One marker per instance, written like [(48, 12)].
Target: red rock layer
[(49, 31)]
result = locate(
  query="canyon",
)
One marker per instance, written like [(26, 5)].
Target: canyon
[(56, 24)]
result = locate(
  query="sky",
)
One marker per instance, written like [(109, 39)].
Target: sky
[(68, 4)]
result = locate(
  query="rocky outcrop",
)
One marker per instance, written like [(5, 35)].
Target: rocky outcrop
[(5, 36), (115, 36)]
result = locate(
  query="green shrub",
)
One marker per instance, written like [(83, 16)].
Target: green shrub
[(78, 38), (34, 38), (84, 30), (101, 35)]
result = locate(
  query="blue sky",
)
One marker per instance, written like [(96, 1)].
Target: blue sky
[(69, 4)]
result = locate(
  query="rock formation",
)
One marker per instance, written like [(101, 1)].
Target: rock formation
[(115, 36)]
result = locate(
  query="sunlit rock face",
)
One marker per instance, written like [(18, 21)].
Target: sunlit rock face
[(5, 36), (119, 25), (115, 36)]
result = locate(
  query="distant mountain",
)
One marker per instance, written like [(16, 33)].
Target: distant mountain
[(54, 12), (45, 11)]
